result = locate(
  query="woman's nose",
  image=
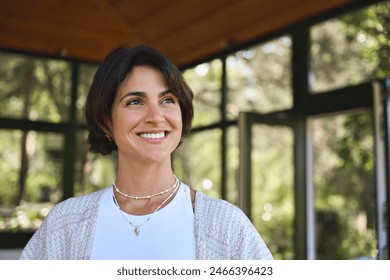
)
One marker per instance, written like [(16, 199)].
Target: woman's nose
[(154, 115)]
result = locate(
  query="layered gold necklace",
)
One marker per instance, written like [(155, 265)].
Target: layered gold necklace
[(145, 196), (137, 228)]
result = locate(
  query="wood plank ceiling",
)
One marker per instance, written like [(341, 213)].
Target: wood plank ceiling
[(185, 30)]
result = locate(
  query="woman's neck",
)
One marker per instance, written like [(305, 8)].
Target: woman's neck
[(137, 180), (142, 181)]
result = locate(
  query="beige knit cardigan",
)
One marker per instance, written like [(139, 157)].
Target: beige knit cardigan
[(222, 231)]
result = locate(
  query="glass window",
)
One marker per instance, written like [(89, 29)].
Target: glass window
[(34, 89), (344, 186), (351, 49), (197, 162), (10, 161), (93, 171), (273, 187), (259, 78), (205, 82), (233, 158), (31, 164), (86, 74)]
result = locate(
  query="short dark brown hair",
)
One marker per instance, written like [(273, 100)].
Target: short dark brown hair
[(111, 73)]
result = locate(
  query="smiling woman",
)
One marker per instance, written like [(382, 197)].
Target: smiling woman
[(140, 107), (145, 112)]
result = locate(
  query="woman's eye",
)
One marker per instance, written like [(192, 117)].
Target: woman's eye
[(169, 100), (134, 102)]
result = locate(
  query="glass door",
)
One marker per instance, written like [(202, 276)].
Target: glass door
[(344, 186), (317, 187), (267, 179), (348, 183)]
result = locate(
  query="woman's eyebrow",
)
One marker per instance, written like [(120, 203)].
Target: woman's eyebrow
[(165, 92), (142, 94)]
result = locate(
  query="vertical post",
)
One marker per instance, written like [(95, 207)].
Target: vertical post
[(300, 82), (307, 171), (70, 139), (380, 166), (245, 170), (304, 217), (224, 92), (386, 209)]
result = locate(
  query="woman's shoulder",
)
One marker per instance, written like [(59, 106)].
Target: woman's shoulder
[(216, 205), (227, 231), (219, 213), (67, 224), (76, 205)]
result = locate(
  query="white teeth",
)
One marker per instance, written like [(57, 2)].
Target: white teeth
[(152, 135)]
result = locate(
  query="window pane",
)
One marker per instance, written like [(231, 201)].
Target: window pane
[(34, 89), (10, 161), (344, 186), (233, 157), (259, 78), (32, 183), (87, 72), (205, 82), (198, 162), (351, 49), (273, 188), (93, 171)]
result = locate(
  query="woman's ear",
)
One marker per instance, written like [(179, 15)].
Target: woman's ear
[(108, 128)]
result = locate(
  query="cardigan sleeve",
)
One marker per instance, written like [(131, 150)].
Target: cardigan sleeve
[(67, 232), (223, 231), (36, 247), (248, 243)]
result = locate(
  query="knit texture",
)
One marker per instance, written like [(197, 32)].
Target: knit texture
[(222, 231)]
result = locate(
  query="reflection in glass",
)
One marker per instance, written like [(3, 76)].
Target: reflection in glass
[(272, 188), (197, 162), (205, 82), (259, 78), (34, 88), (344, 186), (32, 184)]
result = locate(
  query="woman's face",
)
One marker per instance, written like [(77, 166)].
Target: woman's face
[(146, 117)]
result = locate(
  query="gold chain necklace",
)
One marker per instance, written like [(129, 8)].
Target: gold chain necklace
[(137, 228), (146, 196)]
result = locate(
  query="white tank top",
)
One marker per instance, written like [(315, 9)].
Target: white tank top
[(168, 235)]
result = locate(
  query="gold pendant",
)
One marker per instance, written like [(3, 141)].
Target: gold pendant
[(136, 231)]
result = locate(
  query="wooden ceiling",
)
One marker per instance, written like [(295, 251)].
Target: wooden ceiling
[(185, 30)]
